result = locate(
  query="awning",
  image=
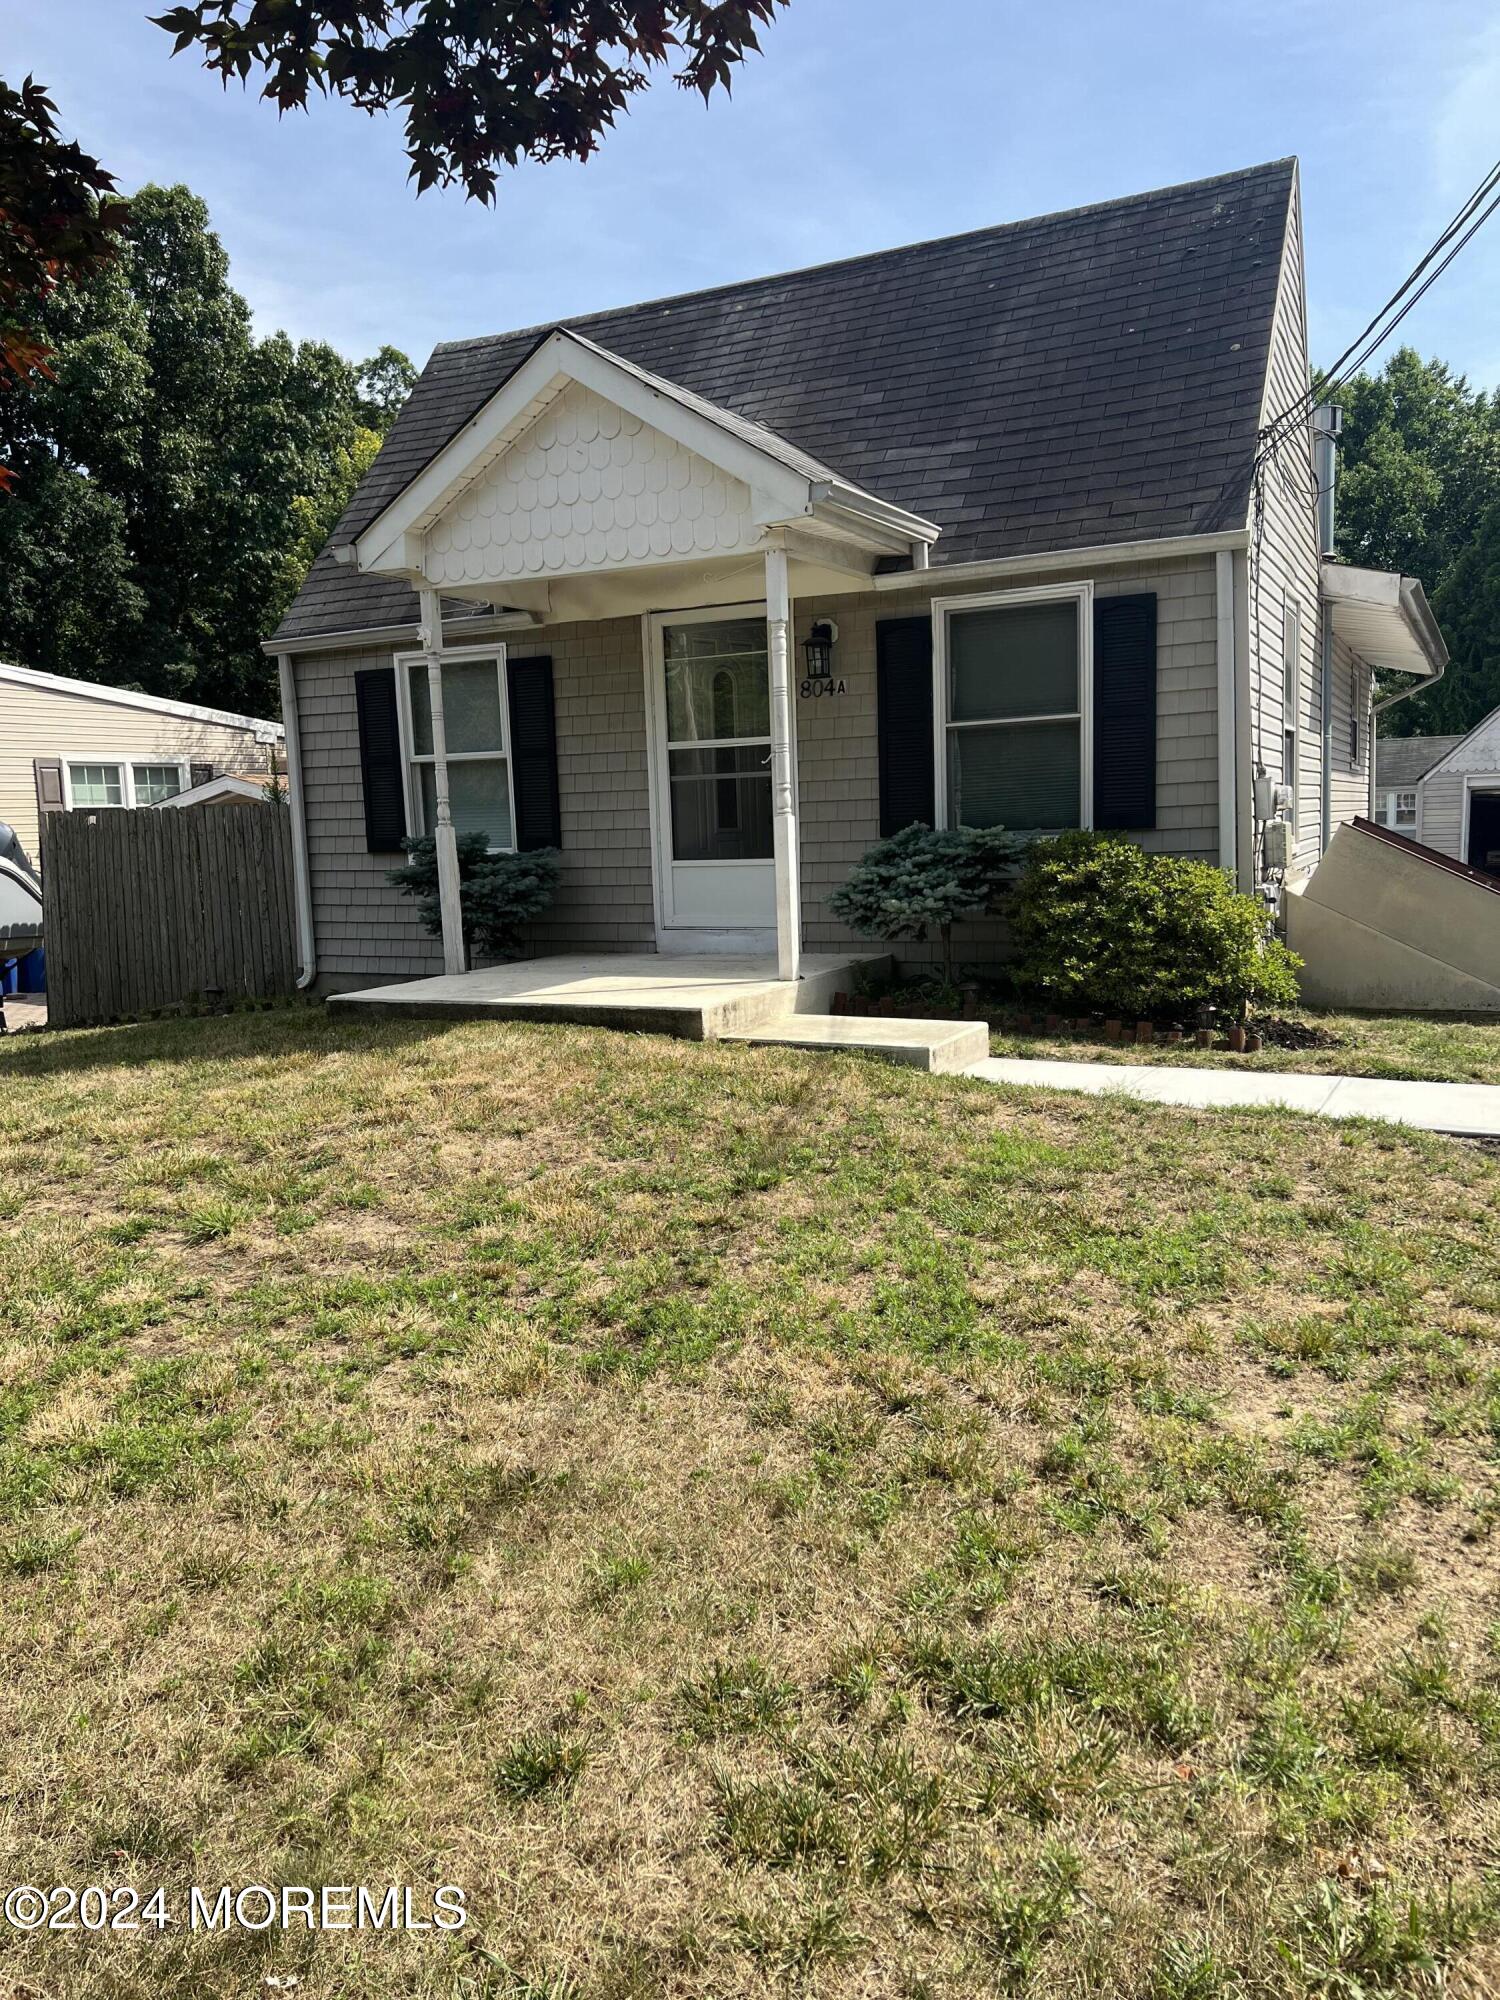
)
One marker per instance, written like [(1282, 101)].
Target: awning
[(1385, 618)]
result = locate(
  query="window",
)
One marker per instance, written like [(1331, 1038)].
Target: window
[(96, 784), (1406, 809), (155, 782), (477, 734), (102, 781), (718, 708), (1015, 684), (1291, 694), (1354, 743)]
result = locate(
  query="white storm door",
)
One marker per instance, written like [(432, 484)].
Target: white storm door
[(712, 706)]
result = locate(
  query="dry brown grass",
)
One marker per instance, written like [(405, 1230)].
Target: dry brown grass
[(758, 1523)]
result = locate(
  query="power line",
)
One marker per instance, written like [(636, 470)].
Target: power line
[(1380, 328)]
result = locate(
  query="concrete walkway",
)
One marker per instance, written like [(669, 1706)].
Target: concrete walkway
[(1470, 1109)]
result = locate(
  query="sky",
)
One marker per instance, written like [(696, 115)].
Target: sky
[(864, 124)]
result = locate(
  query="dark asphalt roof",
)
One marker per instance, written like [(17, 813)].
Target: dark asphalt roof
[(1401, 760), (1082, 378)]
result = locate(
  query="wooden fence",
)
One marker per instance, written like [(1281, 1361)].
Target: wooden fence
[(153, 909)]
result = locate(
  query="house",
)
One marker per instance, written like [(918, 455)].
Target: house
[(1401, 763), (1456, 782), (66, 744), (1025, 526)]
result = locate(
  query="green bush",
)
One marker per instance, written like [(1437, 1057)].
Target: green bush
[(925, 879), (497, 892), (1099, 922)]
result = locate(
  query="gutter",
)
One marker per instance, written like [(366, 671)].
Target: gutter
[(301, 877), (1164, 548)]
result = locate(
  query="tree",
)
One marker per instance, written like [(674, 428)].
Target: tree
[(384, 382), (175, 475), (59, 221), (1419, 473), (483, 83)]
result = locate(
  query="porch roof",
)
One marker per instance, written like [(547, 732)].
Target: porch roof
[(1072, 381)]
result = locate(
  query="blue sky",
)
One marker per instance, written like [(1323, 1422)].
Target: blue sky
[(853, 132)]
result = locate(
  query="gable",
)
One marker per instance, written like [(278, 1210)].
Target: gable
[(589, 486), (1478, 751)]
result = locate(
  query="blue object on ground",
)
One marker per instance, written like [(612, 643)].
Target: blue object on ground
[(32, 972)]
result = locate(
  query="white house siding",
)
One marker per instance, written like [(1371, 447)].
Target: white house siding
[(1288, 567), (1441, 795), (1349, 777), (49, 723)]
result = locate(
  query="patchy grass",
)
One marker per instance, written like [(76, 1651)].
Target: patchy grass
[(1433, 1048), (758, 1523)]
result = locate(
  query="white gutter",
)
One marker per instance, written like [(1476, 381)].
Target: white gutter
[(1225, 708), (1166, 548), (397, 635), (302, 882)]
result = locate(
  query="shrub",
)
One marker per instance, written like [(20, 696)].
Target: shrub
[(924, 879), (497, 892), (1099, 921)]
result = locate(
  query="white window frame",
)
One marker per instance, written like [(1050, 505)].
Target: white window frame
[(943, 611), (411, 756), (1291, 711), (123, 763), (1394, 798)]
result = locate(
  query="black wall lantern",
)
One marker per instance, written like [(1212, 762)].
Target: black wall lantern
[(819, 648)]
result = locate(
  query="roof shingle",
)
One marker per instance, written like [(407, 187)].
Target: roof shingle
[(1082, 378)]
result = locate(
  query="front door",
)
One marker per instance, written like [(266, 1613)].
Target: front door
[(712, 805)]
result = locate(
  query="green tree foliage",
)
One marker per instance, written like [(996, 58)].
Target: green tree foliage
[(498, 893), (59, 220), (927, 879), (384, 383), (1100, 923), (174, 475), (1418, 487), (481, 83)]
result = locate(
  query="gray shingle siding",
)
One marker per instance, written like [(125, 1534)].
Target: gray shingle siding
[(365, 931), (1064, 382)]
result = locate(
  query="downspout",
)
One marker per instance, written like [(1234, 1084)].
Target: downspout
[(307, 948), (1227, 732), (1327, 423)]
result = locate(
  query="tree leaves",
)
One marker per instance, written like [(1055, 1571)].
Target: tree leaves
[(484, 83)]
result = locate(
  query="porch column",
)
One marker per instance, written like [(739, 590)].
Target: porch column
[(783, 772), (444, 838)]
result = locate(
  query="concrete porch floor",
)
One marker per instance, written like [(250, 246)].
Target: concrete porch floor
[(698, 995)]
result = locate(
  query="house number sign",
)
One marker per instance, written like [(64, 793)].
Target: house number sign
[(815, 687)]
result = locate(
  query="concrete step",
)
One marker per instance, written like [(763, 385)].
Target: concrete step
[(937, 1046)]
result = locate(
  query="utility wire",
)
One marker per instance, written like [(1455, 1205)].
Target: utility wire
[(1381, 327)]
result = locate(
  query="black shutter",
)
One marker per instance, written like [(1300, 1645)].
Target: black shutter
[(1125, 711), (533, 751), (200, 774), (903, 683), (380, 760)]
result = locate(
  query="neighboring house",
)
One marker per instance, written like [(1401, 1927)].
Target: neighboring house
[(1401, 763), (1458, 795), (724, 587), (66, 744)]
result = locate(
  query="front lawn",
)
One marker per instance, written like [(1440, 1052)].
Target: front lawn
[(758, 1523), (1435, 1048)]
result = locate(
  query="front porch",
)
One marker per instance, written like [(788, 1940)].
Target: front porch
[(710, 996), (698, 996)]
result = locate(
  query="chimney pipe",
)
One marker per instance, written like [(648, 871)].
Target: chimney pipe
[(1327, 423)]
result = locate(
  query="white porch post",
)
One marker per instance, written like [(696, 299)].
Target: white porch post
[(783, 775), (444, 838)]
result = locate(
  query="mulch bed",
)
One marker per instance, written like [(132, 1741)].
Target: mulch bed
[(1270, 1031)]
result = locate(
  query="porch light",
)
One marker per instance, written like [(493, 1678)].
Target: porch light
[(819, 648)]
